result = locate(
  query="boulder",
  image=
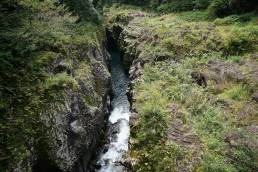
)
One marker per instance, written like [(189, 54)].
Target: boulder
[(200, 78), (221, 71)]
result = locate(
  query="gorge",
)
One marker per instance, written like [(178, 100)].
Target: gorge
[(118, 128), (125, 86)]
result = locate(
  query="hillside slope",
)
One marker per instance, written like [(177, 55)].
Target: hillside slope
[(194, 84)]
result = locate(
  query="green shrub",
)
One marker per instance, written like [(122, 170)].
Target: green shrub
[(176, 6), (245, 154), (221, 8), (201, 4), (242, 39), (246, 158), (84, 9), (183, 5), (227, 20), (234, 19), (194, 16)]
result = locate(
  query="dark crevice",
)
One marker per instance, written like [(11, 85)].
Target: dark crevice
[(113, 38), (114, 41), (44, 164)]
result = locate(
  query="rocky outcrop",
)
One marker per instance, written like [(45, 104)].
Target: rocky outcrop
[(199, 78), (75, 121), (62, 84), (220, 71)]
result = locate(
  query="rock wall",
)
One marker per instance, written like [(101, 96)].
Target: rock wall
[(75, 123)]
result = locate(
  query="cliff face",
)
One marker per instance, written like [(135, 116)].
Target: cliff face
[(76, 122), (74, 118)]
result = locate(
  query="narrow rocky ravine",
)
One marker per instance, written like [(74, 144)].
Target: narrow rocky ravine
[(118, 123)]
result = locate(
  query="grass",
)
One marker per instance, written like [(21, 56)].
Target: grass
[(182, 34), (237, 93), (189, 40), (173, 89), (150, 133), (235, 59), (165, 83), (61, 81)]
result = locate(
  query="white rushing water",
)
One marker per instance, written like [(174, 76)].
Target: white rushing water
[(118, 120)]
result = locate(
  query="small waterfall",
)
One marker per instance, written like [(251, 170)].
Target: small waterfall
[(118, 120)]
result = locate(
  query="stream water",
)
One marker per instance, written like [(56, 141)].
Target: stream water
[(118, 126)]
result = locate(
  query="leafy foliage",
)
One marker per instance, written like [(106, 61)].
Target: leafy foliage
[(83, 8), (221, 8)]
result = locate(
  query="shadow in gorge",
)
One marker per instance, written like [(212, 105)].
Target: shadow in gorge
[(113, 41), (44, 165), (112, 38)]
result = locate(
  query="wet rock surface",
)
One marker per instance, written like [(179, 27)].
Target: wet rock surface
[(113, 152)]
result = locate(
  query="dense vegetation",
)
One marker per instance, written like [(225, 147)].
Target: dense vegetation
[(216, 8), (33, 34)]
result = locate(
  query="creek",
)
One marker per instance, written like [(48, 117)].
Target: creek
[(114, 151)]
